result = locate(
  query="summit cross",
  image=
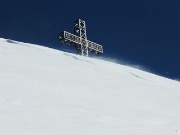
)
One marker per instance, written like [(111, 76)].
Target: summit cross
[(79, 39)]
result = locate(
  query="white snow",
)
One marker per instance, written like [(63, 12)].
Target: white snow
[(50, 92)]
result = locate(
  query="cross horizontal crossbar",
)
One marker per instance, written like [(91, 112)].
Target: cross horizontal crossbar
[(69, 38)]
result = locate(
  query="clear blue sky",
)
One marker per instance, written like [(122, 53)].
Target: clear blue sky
[(139, 32)]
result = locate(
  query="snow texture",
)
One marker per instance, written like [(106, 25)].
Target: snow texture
[(49, 92)]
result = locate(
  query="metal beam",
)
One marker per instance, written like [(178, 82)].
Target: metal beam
[(70, 39)]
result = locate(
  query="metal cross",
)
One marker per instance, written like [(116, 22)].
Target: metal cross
[(79, 39)]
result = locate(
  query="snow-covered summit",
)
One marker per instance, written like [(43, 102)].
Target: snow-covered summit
[(49, 92)]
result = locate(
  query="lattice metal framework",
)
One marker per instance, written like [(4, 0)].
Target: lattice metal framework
[(79, 39)]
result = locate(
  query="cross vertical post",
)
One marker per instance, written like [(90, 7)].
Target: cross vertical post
[(80, 31)]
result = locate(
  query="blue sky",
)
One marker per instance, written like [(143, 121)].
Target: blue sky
[(145, 33)]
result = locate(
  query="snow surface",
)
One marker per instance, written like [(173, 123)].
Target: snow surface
[(49, 92)]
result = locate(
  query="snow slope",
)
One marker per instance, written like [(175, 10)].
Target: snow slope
[(49, 92)]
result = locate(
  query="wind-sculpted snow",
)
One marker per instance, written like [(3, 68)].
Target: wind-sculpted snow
[(49, 92), (78, 58)]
